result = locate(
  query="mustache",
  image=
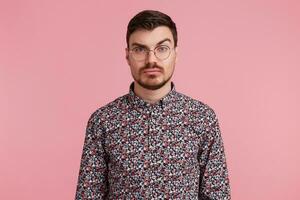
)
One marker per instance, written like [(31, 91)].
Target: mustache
[(151, 66)]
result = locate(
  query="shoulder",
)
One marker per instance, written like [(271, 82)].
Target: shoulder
[(202, 118), (200, 115), (109, 111), (196, 106)]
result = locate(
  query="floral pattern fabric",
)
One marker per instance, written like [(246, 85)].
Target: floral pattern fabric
[(172, 149)]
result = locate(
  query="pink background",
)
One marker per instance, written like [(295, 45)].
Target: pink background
[(61, 60)]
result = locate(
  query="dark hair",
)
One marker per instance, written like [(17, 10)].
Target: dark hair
[(149, 20)]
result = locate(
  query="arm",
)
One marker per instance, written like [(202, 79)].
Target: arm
[(92, 179), (214, 181)]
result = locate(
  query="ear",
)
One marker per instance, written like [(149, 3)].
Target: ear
[(176, 53), (127, 55)]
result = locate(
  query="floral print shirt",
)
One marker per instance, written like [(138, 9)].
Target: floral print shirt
[(171, 149)]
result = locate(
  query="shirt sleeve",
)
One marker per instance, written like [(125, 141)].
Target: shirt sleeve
[(92, 179), (214, 181)]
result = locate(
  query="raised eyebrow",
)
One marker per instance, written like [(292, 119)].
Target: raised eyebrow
[(144, 46), (164, 40)]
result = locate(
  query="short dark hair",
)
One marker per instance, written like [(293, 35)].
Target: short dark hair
[(149, 20)]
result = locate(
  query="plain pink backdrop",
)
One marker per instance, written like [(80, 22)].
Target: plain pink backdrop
[(61, 60)]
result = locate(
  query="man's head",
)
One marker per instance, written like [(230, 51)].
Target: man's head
[(149, 20), (151, 46)]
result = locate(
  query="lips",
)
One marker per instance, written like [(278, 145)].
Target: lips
[(152, 70)]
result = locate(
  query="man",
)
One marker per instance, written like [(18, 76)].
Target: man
[(154, 142)]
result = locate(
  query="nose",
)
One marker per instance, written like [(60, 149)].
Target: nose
[(151, 57)]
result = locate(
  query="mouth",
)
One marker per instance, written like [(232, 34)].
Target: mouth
[(152, 71)]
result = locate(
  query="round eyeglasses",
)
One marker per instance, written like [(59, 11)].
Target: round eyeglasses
[(161, 52)]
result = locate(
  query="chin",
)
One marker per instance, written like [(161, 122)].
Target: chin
[(153, 86)]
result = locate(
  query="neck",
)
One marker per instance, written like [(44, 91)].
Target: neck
[(152, 96)]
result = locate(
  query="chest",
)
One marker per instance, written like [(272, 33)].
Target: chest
[(152, 139)]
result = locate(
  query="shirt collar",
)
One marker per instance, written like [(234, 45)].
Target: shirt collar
[(164, 102)]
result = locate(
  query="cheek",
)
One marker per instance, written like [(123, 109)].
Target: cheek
[(170, 65), (135, 66)]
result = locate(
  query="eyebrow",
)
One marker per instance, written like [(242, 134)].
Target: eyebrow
[(160, 42)]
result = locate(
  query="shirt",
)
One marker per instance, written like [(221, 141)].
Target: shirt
[(171, 149)]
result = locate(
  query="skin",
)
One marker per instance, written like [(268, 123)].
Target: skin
[(152, 86)]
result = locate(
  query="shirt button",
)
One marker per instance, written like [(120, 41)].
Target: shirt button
[(146, 148), (146, 164)]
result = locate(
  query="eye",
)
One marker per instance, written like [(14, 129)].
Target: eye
[(162, 49), (139, 50)]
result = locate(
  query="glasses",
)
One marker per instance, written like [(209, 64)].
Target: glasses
[(140, 53)]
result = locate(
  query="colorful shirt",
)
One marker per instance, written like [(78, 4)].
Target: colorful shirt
[(171, 149)]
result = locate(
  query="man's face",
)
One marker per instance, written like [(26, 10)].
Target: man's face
[(140, 69)]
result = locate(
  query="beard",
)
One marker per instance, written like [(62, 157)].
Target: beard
[(150, 81)]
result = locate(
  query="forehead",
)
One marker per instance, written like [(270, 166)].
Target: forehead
[(151, 37)]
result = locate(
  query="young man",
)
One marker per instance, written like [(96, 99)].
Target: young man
[(154, 142)]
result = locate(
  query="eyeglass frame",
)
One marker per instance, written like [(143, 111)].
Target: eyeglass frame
[(148, 51)]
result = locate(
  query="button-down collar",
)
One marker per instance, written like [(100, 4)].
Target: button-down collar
[(163, 103)]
